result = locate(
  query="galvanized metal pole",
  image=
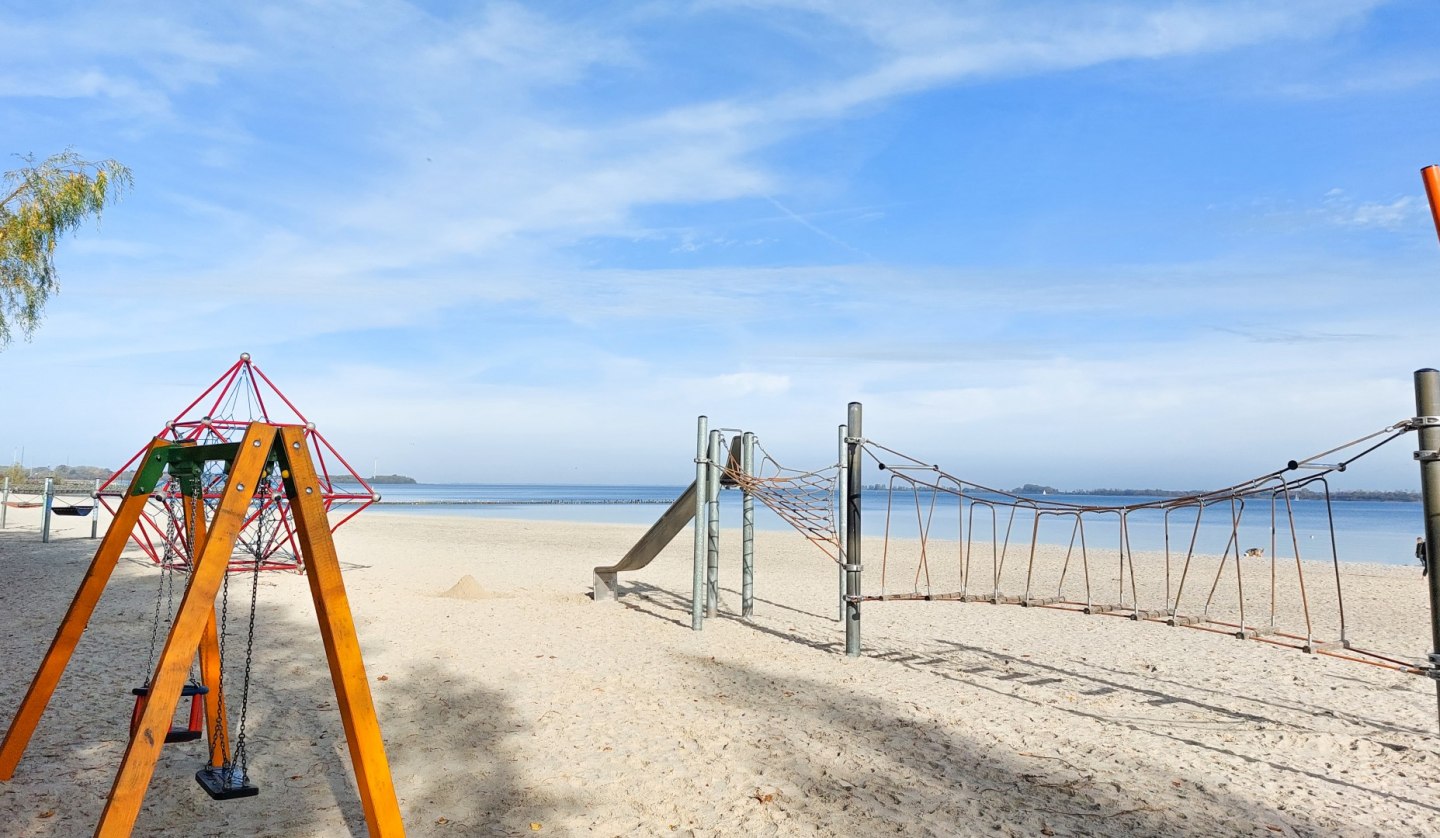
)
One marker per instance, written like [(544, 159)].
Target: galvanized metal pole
[(45, 515), (1427, 417), (4, 501), (841, 482), (747, 528), (95, 510), (712, 555), (702, 524), (852, 531)]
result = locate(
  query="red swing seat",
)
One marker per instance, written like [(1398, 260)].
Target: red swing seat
[(195, 727)]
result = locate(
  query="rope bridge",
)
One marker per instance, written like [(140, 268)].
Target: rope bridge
[(974, 543)]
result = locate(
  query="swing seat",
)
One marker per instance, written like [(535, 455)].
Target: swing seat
[(227, 782), (77, 511), (193, 728)]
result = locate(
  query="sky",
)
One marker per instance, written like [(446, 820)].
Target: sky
[(1085, 244)]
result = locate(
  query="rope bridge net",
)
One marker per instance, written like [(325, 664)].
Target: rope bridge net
[(974, 543)]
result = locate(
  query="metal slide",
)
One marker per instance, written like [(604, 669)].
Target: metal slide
[(661, 533)]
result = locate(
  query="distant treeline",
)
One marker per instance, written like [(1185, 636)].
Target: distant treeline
[(59, 472), (19, 474), (379, 479), (1303, 494)]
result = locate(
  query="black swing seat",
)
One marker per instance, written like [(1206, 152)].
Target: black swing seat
[(227, 782), (77, 511), (191, 733)]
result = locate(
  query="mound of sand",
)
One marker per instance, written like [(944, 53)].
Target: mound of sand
[(469, 589)]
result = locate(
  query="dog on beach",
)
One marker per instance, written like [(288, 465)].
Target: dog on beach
[(1255, 553)]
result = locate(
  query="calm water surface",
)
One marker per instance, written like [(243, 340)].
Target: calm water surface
[(1365, 531)]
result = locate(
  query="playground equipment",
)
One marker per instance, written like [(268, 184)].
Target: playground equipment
[(68, 498), (241, 395), (261, 452), (717, 461), (973, 543), (728, 459)]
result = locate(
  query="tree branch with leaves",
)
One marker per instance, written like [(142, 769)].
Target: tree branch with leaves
[(39, 204)]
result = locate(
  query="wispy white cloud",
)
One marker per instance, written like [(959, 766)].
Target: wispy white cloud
[(386, 202)]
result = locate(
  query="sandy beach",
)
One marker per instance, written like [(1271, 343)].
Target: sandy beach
[(512, 704)]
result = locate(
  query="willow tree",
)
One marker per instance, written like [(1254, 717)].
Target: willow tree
[(39, 204)]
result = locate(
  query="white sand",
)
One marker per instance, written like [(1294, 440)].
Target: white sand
[(510, 702)]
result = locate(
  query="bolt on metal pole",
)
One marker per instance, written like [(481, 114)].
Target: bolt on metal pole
[(702, 483), (45, 515), (95, 510), (1427, 405), (841, 482), (712, 555), (852, 531), (747, 528)]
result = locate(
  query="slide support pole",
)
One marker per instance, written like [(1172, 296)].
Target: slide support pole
[(702, 524), (747, 528), (712, 529)]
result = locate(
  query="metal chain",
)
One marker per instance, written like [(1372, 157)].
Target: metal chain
[(160, 592), (220, 668), (240, 752)]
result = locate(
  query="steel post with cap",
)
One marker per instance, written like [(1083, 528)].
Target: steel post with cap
[(1427, 422), (4, 501), (712, 524), (747, 527), (95, 510), (702, 525), (852, 555), (45, 513), (841, 508)]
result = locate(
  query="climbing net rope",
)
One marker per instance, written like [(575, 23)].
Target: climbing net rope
[(979, 544), (806, 500)]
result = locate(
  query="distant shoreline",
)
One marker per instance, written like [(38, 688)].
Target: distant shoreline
[(1374, 495)]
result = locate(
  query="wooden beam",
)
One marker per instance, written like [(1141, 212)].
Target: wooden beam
[(32, 707), (342, 646), (197, 608), (217, 712)]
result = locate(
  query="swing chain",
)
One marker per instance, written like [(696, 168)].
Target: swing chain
[(241, 755)]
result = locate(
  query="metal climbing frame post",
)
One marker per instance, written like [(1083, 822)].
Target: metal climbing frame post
[(1427, 419), (841, 518), (712, 524), (747, 528), (95, 511), (702, 484), (45, 512), (851, 555), (4, 501)]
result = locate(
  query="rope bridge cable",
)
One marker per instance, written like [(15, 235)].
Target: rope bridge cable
[(806, 500), (983, 514)]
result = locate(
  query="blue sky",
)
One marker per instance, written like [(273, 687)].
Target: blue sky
[(1080, 243)]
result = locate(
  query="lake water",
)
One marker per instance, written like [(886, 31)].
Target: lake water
[(1365, 531)]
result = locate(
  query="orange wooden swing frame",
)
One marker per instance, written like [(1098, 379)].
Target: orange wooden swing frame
[(193, 630)]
